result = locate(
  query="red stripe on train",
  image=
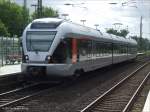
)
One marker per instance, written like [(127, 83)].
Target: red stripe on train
[(74, 50)]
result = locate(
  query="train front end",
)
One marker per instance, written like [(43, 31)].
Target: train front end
[(39, 41)]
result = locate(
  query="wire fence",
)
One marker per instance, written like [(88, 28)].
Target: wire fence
[(10, 51)]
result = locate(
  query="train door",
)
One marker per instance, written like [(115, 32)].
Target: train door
[(89, 49), (62, 53)]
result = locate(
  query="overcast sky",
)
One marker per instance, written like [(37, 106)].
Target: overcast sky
[(104, 13)]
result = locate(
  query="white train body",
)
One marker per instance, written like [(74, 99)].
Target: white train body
[(56, 47)]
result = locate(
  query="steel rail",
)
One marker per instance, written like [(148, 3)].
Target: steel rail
[(100, 98), (22, 98), (28, 86), (18, 89), (19, 100), (131, 101)]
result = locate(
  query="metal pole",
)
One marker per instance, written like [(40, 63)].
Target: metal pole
[(6, 43), (13, 48), (39, 8), (25, 4), (141, 26), (35, 6), (2, 51)]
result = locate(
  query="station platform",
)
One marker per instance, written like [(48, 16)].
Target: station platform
[(147, 104), (10, 69)]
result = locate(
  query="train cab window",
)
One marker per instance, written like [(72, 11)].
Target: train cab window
[(39, 41)]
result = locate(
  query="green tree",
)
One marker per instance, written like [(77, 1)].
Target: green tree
[(46, 12), (14, 17), (112, 31), (122, 32), (143, 43), (3, 30)]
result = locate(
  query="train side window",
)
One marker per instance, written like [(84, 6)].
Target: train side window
[(101, 51), (133, 50), (82, 48), (129, 49), (97, 49), (89, 48), (115, 49), (85, 47), (93, 48)]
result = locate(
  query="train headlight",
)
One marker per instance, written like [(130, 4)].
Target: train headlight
[(26, 57), (48, 58)]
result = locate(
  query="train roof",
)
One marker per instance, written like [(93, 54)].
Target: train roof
[(73, 29)]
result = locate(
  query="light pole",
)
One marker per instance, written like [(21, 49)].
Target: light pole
[(75, 5), (113, 3), (141, 27), (65, 16), (83, 21), (117, 24), (96, 25), (141, 19), (38, 8), (35, 6)]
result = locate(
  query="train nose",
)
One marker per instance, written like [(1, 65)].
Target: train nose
[(36, 71)]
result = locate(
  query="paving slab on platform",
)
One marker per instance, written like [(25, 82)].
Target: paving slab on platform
[(10, 69), (147, 104)]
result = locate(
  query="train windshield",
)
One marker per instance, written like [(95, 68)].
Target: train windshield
[(39, 41)]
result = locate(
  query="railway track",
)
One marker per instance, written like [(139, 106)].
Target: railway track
[(8, 82), (16, 96), (12, 103), (120, 97), (143, 58)]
